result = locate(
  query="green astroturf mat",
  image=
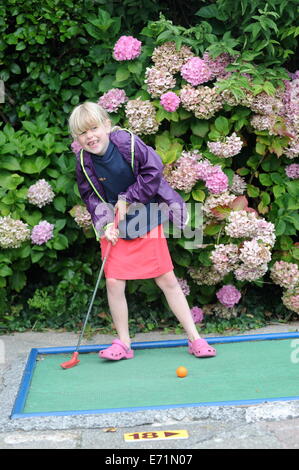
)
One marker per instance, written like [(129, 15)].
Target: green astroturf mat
[(240, 371)]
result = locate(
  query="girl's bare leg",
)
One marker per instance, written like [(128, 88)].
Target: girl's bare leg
[(177, 302), (119, 308)]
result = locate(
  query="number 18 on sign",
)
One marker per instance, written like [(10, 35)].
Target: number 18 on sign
[(157, 435)]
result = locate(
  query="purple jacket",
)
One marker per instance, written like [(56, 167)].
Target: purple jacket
[(148, 171)]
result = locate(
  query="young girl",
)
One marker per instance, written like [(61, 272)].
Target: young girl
[(117, 169)]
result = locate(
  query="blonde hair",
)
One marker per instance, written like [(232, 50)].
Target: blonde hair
[(86, 115)]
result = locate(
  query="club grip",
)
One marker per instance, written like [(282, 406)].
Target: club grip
[(115, 225), (116, 219)]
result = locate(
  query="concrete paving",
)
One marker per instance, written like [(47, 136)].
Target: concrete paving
[(272, 425)]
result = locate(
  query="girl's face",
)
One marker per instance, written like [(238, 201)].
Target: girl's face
[(96, 139)]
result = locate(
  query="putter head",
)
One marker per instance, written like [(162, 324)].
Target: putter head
[(72, 362)]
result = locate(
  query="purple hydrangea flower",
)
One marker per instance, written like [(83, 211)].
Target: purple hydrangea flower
[(42, 233), (196, 71), (170, 101), (127, 48), (228, 295), (197, 314), (113, 100), (292, 171)]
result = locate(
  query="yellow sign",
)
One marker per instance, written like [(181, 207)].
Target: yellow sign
[(156, 435)]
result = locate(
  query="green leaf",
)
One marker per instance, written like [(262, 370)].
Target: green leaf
[(135, 67), (183, 258), (278, 191), (60, 224), (204, 257), (10, 181), (36, 256), (211, 11), (280, 228), (222, 125), (24, 251), (230, 174), (285, 242), (295, 252), (277, 178), (260, 148), (212, 229), (243, 171), (163, 114), (60, 242), (271, 163), (122, 73), (18, 280), (34, 165), (162, 142), (292, 203), (33, 217), (293, 188), (15, 68), (5, 271), (75, 81), (293, 219), (178, 128), (252, 190), (105, 83), (172, 154), (94, 32), (29, 126), (265, 179), (10, 163), (253, 162), (60, 203), (266, 199), (198, 195), (200, 127)]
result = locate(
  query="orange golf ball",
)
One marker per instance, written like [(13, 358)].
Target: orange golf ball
[(181, 371)]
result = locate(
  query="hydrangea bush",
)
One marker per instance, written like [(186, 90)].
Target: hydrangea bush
[(228, 141), (231, 153)]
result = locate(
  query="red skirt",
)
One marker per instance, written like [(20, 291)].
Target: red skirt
[(142, 258)]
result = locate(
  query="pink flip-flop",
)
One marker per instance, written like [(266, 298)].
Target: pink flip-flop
[(200, 348), (118, 350)]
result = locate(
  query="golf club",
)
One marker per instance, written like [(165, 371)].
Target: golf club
[(74, 359)]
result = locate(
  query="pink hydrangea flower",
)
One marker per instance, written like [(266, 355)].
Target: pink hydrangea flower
[(81, 216), (196, 71), (182, 174), (40, 193), (42, 233), (75, 146), (292, 171), (197, 314), (247, 273), (228, 295), (285, 274), (127, 48), (170, 101), (291, 299), (219, 64), (113, 99), (227, 148), (158, 81), (217, 181), (184, 285)]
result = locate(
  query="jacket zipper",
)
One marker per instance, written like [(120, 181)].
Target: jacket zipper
[(91, 183)]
